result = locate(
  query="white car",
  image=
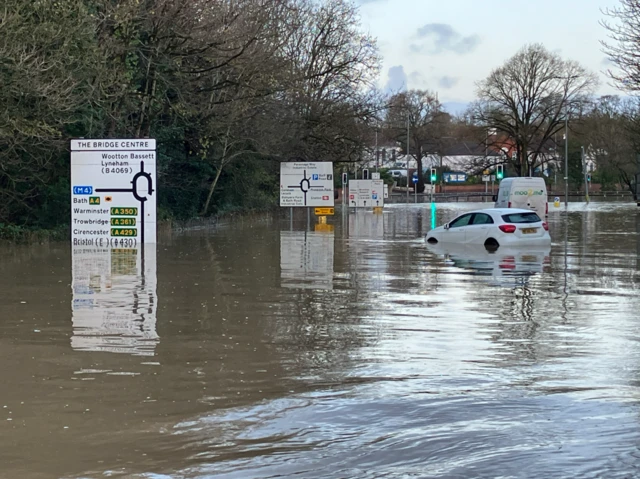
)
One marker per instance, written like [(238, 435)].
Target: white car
[(493, 227)]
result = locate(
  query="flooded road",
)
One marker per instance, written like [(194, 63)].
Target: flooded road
[(263, 350)]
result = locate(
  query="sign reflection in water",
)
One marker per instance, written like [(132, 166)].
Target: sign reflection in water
[(114, 300), (306, 259), (366, 225)]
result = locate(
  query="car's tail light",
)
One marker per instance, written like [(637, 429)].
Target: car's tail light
[(545, 226), (507, 228), (508, 262)]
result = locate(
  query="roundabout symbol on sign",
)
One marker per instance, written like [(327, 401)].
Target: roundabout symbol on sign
[(141, 196)]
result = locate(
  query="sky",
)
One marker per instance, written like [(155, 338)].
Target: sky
[(447, 46)]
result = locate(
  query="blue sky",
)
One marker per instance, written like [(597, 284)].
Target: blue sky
[(449, 45)]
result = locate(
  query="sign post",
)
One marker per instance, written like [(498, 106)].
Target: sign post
[(113, 192)]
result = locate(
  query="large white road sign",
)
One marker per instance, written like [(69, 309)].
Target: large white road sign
[(306, 184), (113, 192)]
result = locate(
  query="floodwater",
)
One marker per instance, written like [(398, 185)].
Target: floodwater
[(267, 349)]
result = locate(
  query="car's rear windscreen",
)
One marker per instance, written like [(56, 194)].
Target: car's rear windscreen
[(516, 218)]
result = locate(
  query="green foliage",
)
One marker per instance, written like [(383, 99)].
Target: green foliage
[(228, 92)]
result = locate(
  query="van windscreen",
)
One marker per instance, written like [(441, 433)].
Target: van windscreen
[(521, 218)]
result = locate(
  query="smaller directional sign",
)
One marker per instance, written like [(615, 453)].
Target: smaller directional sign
[(324, 211), (366, 193)]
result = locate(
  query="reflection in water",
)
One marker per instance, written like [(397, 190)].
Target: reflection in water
[(366, 224), (306, 259), (114, 300), (505, 266), (415, 363)]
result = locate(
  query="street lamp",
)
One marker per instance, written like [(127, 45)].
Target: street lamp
[(566, 136), (566, 157), (407, 157)]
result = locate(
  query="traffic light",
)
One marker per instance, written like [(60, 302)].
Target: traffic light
[(588, 176), (499, 172), (365, 174), (434, 175), (345, 178)]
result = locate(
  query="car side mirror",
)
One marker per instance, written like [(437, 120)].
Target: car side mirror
[(446, 226), (494, 198)]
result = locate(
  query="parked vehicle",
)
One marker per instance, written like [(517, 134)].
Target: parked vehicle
[(398, 173), (523, 192), (493, 227)]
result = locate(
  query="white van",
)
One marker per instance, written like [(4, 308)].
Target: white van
[(523, 192)]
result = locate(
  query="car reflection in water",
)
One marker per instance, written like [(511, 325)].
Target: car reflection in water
[(505, 266)]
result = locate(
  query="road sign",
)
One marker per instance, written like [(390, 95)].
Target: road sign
[(454, 177), (121, 173), (486, 178), (306, 184), (366, 193), (375, 176), (323, 211)]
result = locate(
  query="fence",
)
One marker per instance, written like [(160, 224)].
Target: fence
[(481, 197)]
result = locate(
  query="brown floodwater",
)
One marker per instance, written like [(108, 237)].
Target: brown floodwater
[(267, 349)]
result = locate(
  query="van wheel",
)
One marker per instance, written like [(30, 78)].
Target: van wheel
[(491, 243)]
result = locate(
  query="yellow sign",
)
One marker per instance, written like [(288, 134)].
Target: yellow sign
[(124, 211), (123, 221), (94, 200), (324, 227), (377, 209), (323, 211), (124, 232)]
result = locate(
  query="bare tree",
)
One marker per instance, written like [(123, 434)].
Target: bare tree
[(623, 52), (426, 121), (608, 133), (528, 98)]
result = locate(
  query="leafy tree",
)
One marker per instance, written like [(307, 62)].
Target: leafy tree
[(47, 61)]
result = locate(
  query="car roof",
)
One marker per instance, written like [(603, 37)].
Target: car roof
[(500, 211)]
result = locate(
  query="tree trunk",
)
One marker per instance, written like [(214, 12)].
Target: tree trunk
[(205, 209)]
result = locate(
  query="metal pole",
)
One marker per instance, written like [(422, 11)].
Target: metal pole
[(566, 158), (376, 154), (407, 157), (486, 184), (415, 192)]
